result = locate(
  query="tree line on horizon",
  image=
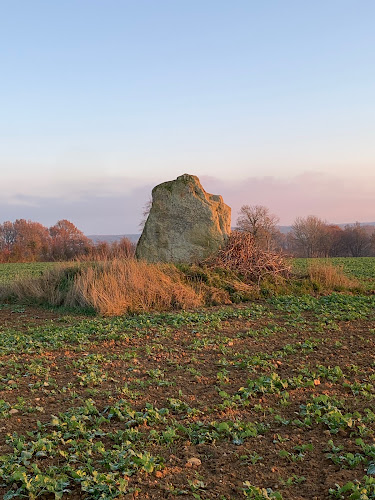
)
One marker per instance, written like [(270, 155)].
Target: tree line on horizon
[(29, 241), (309, 236)]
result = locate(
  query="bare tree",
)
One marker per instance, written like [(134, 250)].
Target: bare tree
[(333, 245), (8, 236), (309, 234), (145, 213), (68, 241), (259, 222), (372, 244), (26, 241), (357, 240), (23, 240), (33, 241)]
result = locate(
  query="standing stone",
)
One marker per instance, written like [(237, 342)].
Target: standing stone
[(185, 224)]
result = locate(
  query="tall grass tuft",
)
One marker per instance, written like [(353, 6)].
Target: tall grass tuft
[(49, 288), (111, 287), (130, 286), (331, 277)]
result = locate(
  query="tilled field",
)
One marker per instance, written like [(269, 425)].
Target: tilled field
[(273, 399)]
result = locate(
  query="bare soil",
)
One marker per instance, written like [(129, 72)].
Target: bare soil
[(191, 361)]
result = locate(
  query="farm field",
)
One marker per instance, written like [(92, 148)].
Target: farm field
[(9, 272), (265, 400)]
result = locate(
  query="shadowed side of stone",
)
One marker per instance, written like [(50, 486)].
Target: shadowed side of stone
[(185, 224)]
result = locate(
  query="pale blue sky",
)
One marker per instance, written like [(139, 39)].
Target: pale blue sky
[(269, 102)]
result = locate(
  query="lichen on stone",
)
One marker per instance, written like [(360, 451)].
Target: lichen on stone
[(185, 224)]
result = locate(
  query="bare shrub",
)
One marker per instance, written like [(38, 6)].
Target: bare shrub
[(260, 223), (241, 254), (122, 249), (331, 277)]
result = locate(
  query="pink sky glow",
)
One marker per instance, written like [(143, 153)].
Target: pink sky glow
[(113, 205)]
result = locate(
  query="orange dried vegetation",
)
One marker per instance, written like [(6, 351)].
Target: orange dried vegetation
[(241, 254), (130, 286)]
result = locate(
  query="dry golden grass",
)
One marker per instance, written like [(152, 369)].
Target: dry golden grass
[(112, 287), (130, 286), (49, 288), (331, 277), (121, 286)]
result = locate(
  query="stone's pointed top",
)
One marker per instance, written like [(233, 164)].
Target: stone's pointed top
[(184, 179), (185, 223), (188, 177)]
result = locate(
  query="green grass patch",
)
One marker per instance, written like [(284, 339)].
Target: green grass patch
[(11, 272)]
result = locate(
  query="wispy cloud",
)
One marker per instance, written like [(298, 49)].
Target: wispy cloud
[(336, 199), (113, 205)]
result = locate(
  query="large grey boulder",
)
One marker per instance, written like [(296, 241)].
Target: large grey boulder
[(185, 224)]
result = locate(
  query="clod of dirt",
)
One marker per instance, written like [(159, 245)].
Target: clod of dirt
[(193, 462)]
